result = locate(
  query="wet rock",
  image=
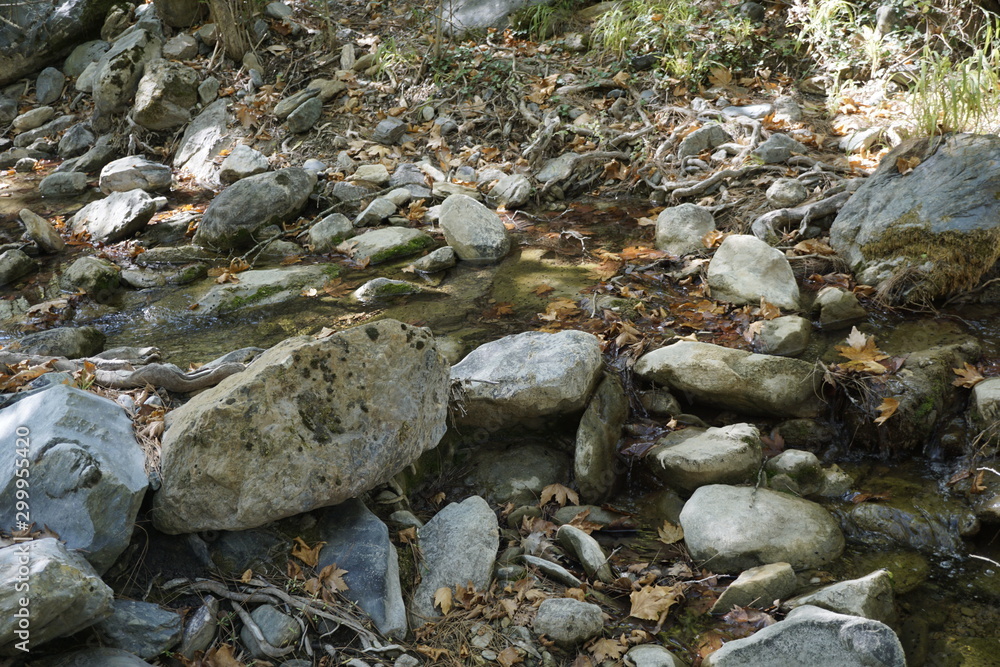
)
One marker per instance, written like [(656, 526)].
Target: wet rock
[(786, 336), (77, 141), (680, 229), (165, 95), (734, 528), (357, 541), (786, 193), (15, 264), (134, 173), (694, 457), (261, 288), (586, 550), (49, 85), (33, 119), (83, 55), (746, 270), (517, 474), (204, 140), (596, 454), (180, 47), (838, 309), (868, 597), (116, 217), (142, 628), (304, 116), (98, 277), (459, 547), (329, 232), (66, 593), (41, 231), (350, 411), (278, 629), (475, 232), (758, 587), (382, 289), (239, 213), (389, 131), (69, 342), (705, 138), (383, 245), (795, 471), (985, 406), (375, 213), (242, 161), (511, 191), (778, 148), (568, 622), (437, 260), (523, 377), (814, 636), (652, 655), (87, 485), (63, 184), (118, 72), (734, 379)]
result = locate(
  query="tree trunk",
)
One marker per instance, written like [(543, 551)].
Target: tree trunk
[(232, 18)]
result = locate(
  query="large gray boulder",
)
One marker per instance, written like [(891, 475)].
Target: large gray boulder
[(463, 15), (310, 423), (521, 378), (116, 217), (680, 229), (595, 458), (745, 270), (142, 628), (87, 470), (870, 596), (814, 636), (66, 595), (735, 379), (474, 231), (932, 231), (732, 528), (165, 96), (119, 71), (239, 213), (694, 457), (204, 140), (134, 173)]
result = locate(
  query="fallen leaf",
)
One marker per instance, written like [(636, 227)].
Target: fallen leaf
[(543, 289), (886, 409), (559, 493), (968, 376), (607, 649), (907, 164), (862, 354), (408, 535), (332, 577), (305, 553), (509, 656), (442, 599), (433, 653), (650, 602), (221, 656), (669, 533), (246, 577)]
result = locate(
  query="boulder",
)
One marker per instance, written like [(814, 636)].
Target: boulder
[(732, 528), (204, 139), (870, 596), (239, 213), (165, 95), (595, 459), (838, 308), (703, 139), (680, 229), (516, 474), (745, 270), (758, 587), (63, 184), (567, 621), (525, 377), (931, 232), (384, 289), (83, 55), (134, 173), (118, 72), (694, 457), (49, 85), (795, 471), (15, 264), (47, 131), (260, 288), (180, 47), (383, 245), (69, 342), (342, 415), (329, 232), (436, 260), (100, 278), (242, 161), (786, 336), (142, 628), (511, 191), (735, 379), (41, 231), (586, 550), (376, 213), (87, 470), (116, 217), (474, 231), (32, 119), (77, 141)]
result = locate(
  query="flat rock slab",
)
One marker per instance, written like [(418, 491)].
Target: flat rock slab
[(383, 245), (261, 287), (116, 217)]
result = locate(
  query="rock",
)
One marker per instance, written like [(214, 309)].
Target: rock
[(703, 139), (204, 140), (595, 461), (208, 90), (586, 550), (786, 336), (33, 119), (66, 595), (118, 72), (41, 231), (786, 193), (180, 47), (735, 379), (568, 622), (83, 55), (99, 155), (97, 277), (778, 148), (134, 173), (289, 104), (49, 85), (437, 260), (77, 141), (524, 377), (659, 402), (787, 109), (985, 404), (407, 174), (512, 191), (552, 570), (389, 131), (304, 116), (376, 174), (116, 217), (261, 288), (357, 541), (69, 342), (868, 597), (63, 184), (383, 245), (734, 528), (652, 655), (34, 138), (15, 264), (814, 636), (315, 166), (746, 270), (327, 89), (87, 485), (179, 14), (8, 110), (755, 111), (199, 633), (278, 10), (517, 474), (348, 411), (758, 587), (242, 162), (694, 457), (932, 232), (142, 628), (474, 231), (838, 308), (459, 547), (329, 232), (97, 657), (239, 213), (375, 213), (278, 629), (680, 229), (795, 471), (381, 289), (165, 95), (208, 34), (860, 140)]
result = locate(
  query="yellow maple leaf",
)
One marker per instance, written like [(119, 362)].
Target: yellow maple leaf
[(669, 533), (651, 602), (968, 376), (862, 354), (442, 599), (332, 577), (886, 409), (559, 493), (607, 649)]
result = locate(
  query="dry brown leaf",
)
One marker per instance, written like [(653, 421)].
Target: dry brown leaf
[(305, 553), (886, 409), (509, 656), (862, 354), (542, 289), (669, 533), (907, 164), (651, 602), (442, 599), (433, 653), (768, 310), (968, 376), (333, 578), (607, 649), (559, 493), (813, 247), (408, 535), (221, 656)]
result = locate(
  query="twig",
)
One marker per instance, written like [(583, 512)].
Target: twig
[(265, 646)]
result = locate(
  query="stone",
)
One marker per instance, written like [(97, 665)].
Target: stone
[(329, 232), (77, 141), (389, 131), (436, 260), (289, 104), (97, 657), (261, 288), (199, 632), (278, 629), (142, 628), (399, 197), (703, 139), (870, 596), (238, 215), (659, 402), (786, 193), (66, 594), (204, 139), (407, 173), (33, 119), (69, 342), (475, 232), (35, 138), (14, 264), (838, 308), (315, 166), (375, 213), (694, 457), (63, 184), (83, 55), (778, 148), (383, 245), (735, 379), (346, 412), (382, 289), (41, 231), (242, 161), (732, 528), (552, 570), (85, 82), (181, 47), (376, 174), (746, 270), (813, 636), (985, 403), (786, 336), (118, 72), (101, 153), (586, 550), (680, 229), (517, 474), (134, 173), (98, 277), (304, 116), (795, 471), (49, 85), (787, 109), (652, 655), (278, 10), (328, 89), (116, 217), (358, 541), (459, 547), (568, 622), (165, 95), (25, 165), (525, 377), (208, 90), (759, 587), (208, 34), (755, 111), (595, 459), (513, 191)]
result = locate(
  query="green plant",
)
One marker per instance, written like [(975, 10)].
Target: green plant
[(540, 21)]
